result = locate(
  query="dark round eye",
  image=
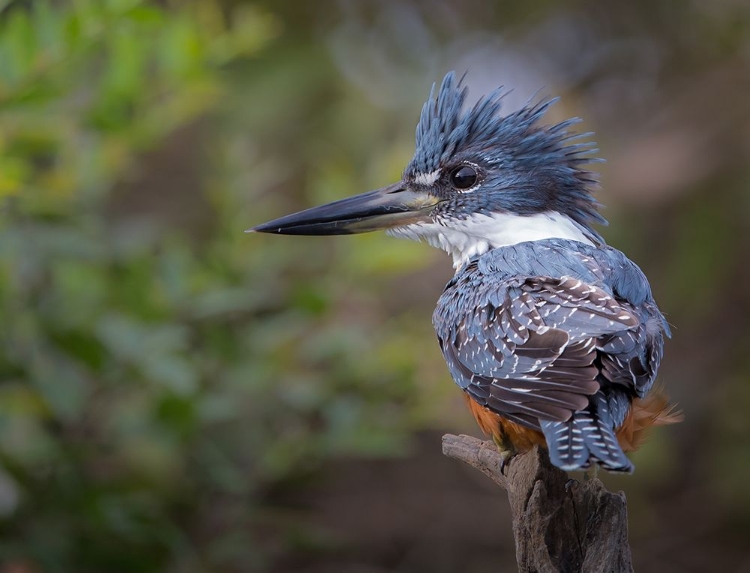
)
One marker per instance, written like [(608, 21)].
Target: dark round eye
[(464, 177)]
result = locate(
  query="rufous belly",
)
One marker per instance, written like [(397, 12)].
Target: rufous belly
[(644, 414)]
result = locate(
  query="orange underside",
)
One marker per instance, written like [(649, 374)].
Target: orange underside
[(645, 413)]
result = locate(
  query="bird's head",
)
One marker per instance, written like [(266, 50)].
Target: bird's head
[(478, 180)]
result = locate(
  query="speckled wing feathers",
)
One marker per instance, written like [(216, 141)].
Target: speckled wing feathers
[(561, 354), (534, 354)]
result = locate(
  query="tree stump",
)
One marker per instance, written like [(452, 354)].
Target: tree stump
[(559, 524)]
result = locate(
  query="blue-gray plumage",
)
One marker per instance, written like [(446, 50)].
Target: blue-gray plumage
[(526, 169), (553, 335)]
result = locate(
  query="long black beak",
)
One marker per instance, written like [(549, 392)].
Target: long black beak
[(392, 206)]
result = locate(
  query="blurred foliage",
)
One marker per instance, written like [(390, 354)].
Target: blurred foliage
[(154, 388), (168, 384)]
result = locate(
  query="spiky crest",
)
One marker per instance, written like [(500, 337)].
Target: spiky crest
[(528, 153)]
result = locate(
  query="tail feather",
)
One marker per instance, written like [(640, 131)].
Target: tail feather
[(587, 435), (565, 442)]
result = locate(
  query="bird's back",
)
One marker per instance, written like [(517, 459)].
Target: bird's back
[(558, 338)]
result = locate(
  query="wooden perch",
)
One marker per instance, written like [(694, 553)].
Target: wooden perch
[(559, 524)]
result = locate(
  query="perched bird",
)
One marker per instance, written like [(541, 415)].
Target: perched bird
[(553, 335)]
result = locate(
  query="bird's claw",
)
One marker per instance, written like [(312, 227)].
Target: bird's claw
[(591, 472), (506, 451)]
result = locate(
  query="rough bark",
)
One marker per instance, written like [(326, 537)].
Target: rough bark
[(559, 524)]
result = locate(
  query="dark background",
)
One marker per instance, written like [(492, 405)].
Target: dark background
[(178, 396)]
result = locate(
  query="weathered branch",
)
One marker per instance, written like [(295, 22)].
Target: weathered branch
[(559, 524)]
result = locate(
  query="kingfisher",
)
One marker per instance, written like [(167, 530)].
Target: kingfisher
[(553, 336)]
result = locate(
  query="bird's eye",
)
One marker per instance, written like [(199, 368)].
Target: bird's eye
[(464, 177)]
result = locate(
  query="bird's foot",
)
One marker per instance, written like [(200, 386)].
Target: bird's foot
[(591, 472), (506, 451)]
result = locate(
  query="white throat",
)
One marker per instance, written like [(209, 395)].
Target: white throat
[(479, 233)]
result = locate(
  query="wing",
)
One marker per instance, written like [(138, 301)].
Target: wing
[(529, 349)]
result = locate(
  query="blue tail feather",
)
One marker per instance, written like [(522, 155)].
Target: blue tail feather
[(587, 436)]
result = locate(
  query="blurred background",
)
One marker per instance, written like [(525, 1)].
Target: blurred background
[(178, 396)]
